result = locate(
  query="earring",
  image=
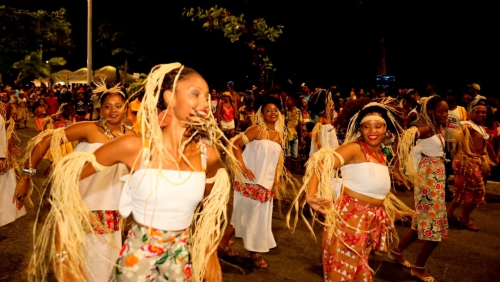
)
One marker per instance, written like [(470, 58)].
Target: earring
[(127, 123)]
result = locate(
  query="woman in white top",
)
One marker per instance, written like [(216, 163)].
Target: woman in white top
[(359, 213), (8, 152), (253, 195), (324, 133), (426, 170), (100, 192), (172, 171)]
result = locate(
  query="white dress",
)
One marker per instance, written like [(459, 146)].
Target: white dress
[(101, 191), (327, 138), (252, 219), (8, 182)]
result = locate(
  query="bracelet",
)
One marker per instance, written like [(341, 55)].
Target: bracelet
[(29, 171)]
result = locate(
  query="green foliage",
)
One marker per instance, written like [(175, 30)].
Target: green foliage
[(233, 27), (136, 85), (25, 31), (33, 66), (122, 38)]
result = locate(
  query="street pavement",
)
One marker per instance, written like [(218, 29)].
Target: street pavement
[(466, 256)]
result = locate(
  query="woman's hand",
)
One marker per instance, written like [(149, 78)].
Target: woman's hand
[(248, 174), (318, 203), (21, 191), (213, 272), (14, 151)]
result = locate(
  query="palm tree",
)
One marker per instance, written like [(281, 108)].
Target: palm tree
[(34, 67)]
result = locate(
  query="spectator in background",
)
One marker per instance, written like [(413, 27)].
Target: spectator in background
[(474, 89)]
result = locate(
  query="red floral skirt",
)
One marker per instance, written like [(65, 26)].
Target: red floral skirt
[(254, 191)]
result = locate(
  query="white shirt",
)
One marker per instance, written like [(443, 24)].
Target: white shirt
[(452, 124)]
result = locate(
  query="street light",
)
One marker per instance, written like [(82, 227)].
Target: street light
[(89, 41)]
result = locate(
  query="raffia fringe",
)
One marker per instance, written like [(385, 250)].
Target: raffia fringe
[(209, 223), (63, 228)]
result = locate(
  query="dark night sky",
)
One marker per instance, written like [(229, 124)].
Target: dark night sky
[(324, 42)]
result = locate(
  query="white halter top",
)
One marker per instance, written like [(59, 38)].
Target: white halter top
[(164, 199)]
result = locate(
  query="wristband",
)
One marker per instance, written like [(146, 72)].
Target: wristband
[(29, 171)]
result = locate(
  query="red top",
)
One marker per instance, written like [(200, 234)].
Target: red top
[(53, 105), (227, 114)]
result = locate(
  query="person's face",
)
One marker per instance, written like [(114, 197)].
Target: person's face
[(305, 89), (341, 102), (373, 131), (270, 113), (5, 99), (478, 114), (381, 94), (466, 98), (290, 102), (440, 113), (69, 111), (42, 102), (191, 95), (113, 109), (213, 93), (304, 103), (51, 94)]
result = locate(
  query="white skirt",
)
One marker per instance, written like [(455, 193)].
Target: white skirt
[(8, 210), (252, 221), (102, 253)]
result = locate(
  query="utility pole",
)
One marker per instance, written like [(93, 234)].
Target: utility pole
[(89, 42)]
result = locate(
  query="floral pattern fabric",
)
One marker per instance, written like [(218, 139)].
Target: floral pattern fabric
[(469, 180), (292, 119), (430, 221), (363, 228), (254, 191), (4, 166), (154, 255), (105, 222)]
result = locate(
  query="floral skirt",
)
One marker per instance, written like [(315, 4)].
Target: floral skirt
[(469, 180), (366, 228), (431, 221), (154, 255), (254, 191)]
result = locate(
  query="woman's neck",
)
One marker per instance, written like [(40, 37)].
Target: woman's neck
[(271, 125), (174, 134)]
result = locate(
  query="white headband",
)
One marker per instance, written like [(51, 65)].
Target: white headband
[(372, 117)]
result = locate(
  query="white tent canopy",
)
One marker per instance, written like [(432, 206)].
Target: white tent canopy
[(80, 76)]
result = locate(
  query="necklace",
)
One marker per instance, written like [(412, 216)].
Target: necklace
[(441, 138), (381, 154), (108, 131), (269, 129)]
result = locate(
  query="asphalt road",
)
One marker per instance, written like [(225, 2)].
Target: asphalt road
[(466, 256)]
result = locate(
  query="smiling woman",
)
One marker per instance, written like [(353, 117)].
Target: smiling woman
[(425, 169), (176, 191), (359, 211)]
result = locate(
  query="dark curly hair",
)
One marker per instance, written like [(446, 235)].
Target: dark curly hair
[(168, 83), (352, 107)]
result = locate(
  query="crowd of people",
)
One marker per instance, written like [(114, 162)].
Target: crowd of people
[(174, 153)]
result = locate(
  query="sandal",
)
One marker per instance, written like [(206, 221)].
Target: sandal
[(469, 225), (424, 279), (228, 251), (453, 220), (258, 260), (405, 263)]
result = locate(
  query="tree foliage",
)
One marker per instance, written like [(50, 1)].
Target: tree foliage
[(255, 35), (124, 41), (24, 32), (33, 66)]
